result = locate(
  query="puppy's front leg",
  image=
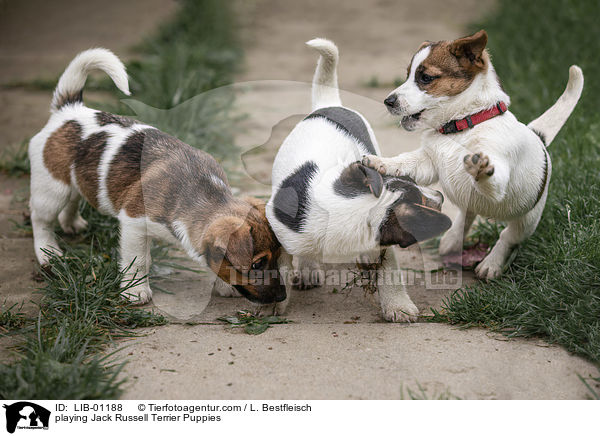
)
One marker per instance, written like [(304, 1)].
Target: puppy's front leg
[(135, 261), (416, 164), (308, 275), (396, 304)]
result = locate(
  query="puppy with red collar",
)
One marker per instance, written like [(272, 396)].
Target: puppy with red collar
[(157, 187), (487, 162)]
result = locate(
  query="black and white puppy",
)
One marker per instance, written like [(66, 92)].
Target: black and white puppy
[(325, 205), (157, 187)]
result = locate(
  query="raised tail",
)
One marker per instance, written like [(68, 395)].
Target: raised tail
[(547, 125), (325, 90), (70, 85)]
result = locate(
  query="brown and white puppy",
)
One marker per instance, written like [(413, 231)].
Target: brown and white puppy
[(487, 162), (157, 186)]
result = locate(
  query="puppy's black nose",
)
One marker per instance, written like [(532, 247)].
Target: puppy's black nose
[(390, 101)]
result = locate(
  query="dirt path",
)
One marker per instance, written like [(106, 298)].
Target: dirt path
[(337, 346)]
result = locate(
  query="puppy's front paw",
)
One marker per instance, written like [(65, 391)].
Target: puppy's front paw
[(139, 294), (400, 311), (377, 163), (275, 309), (478, 165), (489, 269), (307, 279)]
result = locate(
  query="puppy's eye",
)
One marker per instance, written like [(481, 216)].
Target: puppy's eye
[(426, 78), (260, 263)]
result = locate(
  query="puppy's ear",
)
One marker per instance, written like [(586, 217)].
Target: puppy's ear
[(230, 237), (256, 203), (356, 179), (470, 48), (408, 223)]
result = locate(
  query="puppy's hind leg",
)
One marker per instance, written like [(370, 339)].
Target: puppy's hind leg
[(515, 232), (70, 219), (48, 198), (135, 260)]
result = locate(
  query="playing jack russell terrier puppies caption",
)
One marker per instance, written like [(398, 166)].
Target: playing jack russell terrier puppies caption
[(157, 186), (487, 162), (327, 205)]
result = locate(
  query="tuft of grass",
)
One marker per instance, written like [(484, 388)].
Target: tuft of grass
[(12, 317), (552, 288), (14, 160), (253, 325), (420, 393)]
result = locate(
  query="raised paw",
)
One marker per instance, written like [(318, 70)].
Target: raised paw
[(376, 163), (478, 165)]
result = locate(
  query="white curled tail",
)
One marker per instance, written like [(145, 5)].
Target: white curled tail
[(550, 122), (70, 85), (325, 90)]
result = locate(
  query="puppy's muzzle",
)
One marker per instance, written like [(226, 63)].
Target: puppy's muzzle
[(391, 101), (263, 294)]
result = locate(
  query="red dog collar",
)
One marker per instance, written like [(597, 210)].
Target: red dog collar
[(468, 122)]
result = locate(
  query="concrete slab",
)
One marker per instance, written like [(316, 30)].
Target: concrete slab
[(346, 361)]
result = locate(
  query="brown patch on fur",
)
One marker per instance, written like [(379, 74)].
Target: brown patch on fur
[(453, 65), (87, 158), (59, 150)]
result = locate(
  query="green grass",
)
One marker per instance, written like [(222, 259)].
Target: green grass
[(552, 288), (253, 325), (81, 312), (195, 53), (14, 160)]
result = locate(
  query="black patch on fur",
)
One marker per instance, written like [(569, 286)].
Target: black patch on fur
[(349, 122), (410, 191), (105, 118), (357, 179), (66, 99), (391, 233), (291, 201), (540, 135)]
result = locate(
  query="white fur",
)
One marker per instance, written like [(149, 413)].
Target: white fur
[(325, 90), (73, 79), (515, 151)]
